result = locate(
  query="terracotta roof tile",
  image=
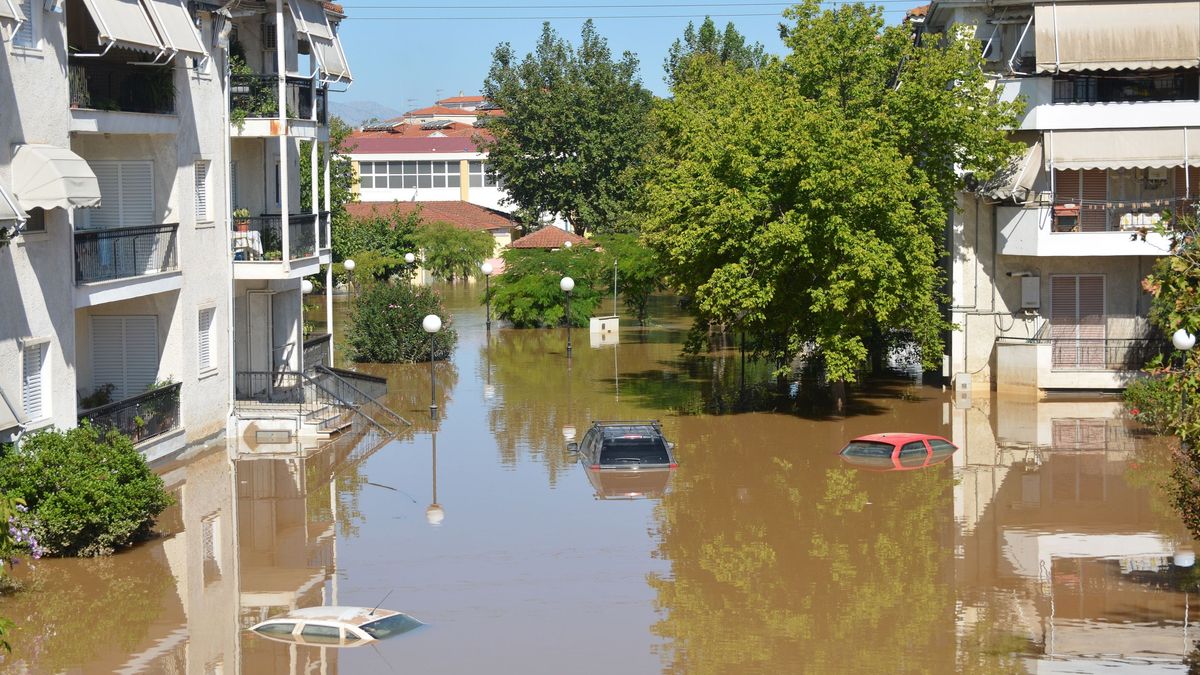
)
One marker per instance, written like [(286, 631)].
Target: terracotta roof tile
[(464, 215), (917, 12), (334, 7), (549, 237), (462, 99), (384, 144)]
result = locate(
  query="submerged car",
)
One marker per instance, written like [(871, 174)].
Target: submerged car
[(336, 626), (897, 451), (625, 446)]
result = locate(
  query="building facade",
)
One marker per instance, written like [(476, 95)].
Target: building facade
[(126, 145), (1046, 261)]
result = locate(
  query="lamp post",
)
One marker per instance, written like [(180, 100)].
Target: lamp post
[(1183, 341), (435, 514), (486, 268), (432, 323), (306, 286), (567, 284), (348, 265)]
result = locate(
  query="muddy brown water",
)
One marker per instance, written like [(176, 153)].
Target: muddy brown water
[(1040, 546)]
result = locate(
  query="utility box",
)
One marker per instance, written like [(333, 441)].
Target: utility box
[(605, 324), (1031, 292)]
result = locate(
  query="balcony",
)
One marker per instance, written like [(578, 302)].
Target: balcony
[(116, 97), (1045, 363), (1046, 112), (140, 417), (254, 106), (1088, 228), (317, 351), (258, 250), (127, 262)]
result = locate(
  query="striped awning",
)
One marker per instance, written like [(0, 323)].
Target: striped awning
[(1123, 149), (1086, 36), (124, 23)]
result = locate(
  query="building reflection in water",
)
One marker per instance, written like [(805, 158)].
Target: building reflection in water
[(1055, 537)]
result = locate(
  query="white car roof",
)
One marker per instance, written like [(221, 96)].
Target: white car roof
[(355, 616)]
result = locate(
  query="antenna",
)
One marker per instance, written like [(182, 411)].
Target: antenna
[(385, 597)]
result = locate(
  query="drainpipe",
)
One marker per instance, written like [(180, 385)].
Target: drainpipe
[(230, 359)]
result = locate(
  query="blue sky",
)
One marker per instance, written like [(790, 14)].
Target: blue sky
[(404, 62)]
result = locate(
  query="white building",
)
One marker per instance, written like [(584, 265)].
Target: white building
[(1045, 269), (117, 178)]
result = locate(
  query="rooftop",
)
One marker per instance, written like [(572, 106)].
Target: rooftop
[(462, 99), (383, 143), (464, 215), (549, 237)]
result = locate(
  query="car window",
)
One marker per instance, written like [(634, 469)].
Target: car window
[(939, 446), (312, 632), (868, 449), (391, 625), (277, 628), (633, 451), (914, 448)]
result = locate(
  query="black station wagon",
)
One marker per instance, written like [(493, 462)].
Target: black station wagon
[(625, 446)]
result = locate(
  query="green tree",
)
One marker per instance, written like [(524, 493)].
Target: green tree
[(528, 294), (385, 325), (805, 202), (574, 122), (377, 243), (638, 271), (452, 252), (341, 174), (708, 44)]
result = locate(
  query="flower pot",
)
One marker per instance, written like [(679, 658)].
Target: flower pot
[(243, 226)]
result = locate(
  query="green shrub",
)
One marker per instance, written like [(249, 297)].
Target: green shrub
[(1154, 402), (528, 294), (385, 325), (452, 253), (88, 493)]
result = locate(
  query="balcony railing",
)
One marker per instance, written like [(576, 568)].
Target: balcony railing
[(316, 351), (258, 96), (1074, 215), (119, 253), (108, 85), (1097, 354), (262, 238), (140, 417)]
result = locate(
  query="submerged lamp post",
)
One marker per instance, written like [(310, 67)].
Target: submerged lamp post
[(567, 284), (432, 323), (486, 268), (1183, 341)]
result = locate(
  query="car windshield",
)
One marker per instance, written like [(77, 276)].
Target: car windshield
[(868, 449), (634, 450), (395, 624)]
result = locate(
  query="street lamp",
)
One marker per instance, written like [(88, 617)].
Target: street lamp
[(435, 514), (306, 286), (1183, 341), (409, 258), (567, 284), (432, 323), (567, 244), (348, 265), (486, 268)]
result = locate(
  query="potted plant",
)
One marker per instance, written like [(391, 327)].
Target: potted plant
[(241, 219)]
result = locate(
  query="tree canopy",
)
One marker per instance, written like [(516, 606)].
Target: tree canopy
[(574, 123), (805, 201), (451, 252), (710, 44)]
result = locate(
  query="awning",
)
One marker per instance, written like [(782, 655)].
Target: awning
[(1075, 36), (10, 211), (124, 23), (1123, 149), (175, 27), (10, 12), (10, 418), (1017, 181), (310, 18), (331, 60), (48, 177)]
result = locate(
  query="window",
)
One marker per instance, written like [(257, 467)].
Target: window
[(126, 194), (868, 449), (201, 185), (409, 175), (28, 34), (204, 351), (482, 175), (277, 628), (36, 221), (914, 448), (632, 451), (316, 633), (1078, 324), (124, 354), (34, 374), (278, 181), (1126, 88)]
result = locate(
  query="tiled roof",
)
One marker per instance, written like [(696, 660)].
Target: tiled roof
[(462, 99), (549, 237), (438, 110), (386, 144), (465, 215), (917, 12), (456, 130), (334, 7)]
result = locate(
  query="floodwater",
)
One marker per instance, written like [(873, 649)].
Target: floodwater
[(1041, 546)]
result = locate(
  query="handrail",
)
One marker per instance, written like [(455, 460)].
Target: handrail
[(125, 252), (334, 372), (140, 417)]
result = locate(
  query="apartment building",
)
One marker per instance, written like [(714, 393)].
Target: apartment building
[(1046, 260), (124, 144)]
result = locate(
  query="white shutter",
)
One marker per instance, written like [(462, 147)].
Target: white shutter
[(1078, 324), (202, 192), (126, 194), (108, 214), (124, 353), (204, 354), (25, 37), (33, 375)]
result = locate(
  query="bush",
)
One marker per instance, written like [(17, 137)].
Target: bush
[(89, 493), (1154, 402), (528, 294), (452, 253), (385, 325)]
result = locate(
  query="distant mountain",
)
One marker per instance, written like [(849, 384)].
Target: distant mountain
[(355, 113)]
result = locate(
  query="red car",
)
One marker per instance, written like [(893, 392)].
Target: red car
[(897, 452)]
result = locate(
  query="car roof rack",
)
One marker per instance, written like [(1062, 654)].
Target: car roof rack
[(625, 423)]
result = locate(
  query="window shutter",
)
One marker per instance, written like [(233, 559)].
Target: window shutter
[(1078, 324), (24, 37), (1066, 185), (108, 214), (204, 339), (1063, 313), (1095, 192), (141, 353), (126, 194), (124, 353), (108, 354), (33, 373), (201, 191)]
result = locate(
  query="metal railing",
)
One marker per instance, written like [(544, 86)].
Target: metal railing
[(262, 238), (316, 351), (119, 253), (257, 96), (1096, 354), (318, 394), (108, 85), (1076, 215), (140, 417), (364, 391)]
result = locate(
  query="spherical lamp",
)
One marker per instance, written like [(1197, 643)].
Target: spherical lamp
[(306, 286), (348, 264), (432, 323), (1183, 340), (567, 284), (409, 258)]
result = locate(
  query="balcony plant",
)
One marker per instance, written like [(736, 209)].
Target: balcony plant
[(241, 219)]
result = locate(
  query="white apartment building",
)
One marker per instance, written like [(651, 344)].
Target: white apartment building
[(1044, 267), (125, 279)]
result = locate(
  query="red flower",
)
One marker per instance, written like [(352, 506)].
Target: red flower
[(1134, 411)]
